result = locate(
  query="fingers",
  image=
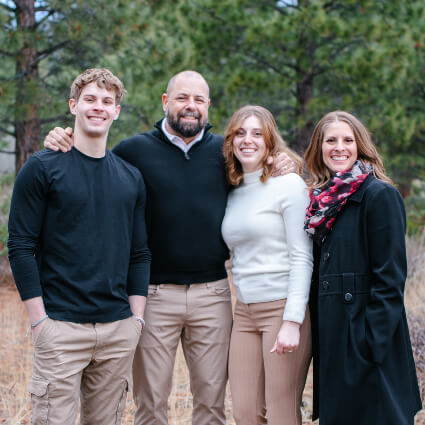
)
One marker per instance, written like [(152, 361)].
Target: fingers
[(59, 139), (281, 348), (283, 164)]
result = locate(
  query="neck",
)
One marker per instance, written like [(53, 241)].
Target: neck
[(94, 146), (187, 140)]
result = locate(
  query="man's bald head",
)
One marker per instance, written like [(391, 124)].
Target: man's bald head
[(186, 75)]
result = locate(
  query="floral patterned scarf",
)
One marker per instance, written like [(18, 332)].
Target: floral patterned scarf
[(326, 203)]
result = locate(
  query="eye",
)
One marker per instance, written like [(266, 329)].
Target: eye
[(258, 134), (239, 132), (349, 139), (200, 100), (181, 98), (330, 140)]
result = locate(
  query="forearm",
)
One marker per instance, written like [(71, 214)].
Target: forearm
[(24, 267), (300, 256), (35, 309), (137, 305)]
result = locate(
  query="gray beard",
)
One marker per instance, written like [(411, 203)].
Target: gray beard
[(185, 130)]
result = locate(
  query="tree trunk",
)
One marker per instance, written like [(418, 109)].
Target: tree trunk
[(27, 124), (304, 96)]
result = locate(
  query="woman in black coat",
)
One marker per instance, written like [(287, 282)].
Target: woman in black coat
[(364, 372)]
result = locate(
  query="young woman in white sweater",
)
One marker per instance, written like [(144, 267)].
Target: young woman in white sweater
[(270, 347)]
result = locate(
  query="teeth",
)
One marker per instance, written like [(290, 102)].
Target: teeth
[(248, 150), (339, 158), (96, 119)]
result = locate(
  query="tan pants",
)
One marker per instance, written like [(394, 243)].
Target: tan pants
[(200, 316), (91, 362), (265, 384)]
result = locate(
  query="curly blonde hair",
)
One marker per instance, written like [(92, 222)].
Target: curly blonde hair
[(272, 139), (366, 150), (104, 79)]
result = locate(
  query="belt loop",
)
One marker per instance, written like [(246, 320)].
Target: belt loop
[(348, 287)]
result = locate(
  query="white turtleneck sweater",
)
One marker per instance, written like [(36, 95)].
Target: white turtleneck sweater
[(272, 254)]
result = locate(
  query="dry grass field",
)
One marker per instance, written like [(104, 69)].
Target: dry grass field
[(16, 353)]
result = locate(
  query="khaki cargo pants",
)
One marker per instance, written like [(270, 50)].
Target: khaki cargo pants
[(89, 362)]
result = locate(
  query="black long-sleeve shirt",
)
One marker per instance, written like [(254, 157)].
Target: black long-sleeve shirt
[(186, 200), (77, 235)]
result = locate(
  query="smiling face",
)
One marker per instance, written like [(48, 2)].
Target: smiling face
[(95, 110), (186, 106), (339, 147), (249, 146)]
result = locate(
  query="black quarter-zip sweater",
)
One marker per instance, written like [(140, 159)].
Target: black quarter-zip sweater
[(186, 200)]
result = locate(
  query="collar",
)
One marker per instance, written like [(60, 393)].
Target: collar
[(173, 138), (358, 195)]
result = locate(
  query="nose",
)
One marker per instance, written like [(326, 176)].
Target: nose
[(190, 103), (339, 144), (98, 105), (246, 138)]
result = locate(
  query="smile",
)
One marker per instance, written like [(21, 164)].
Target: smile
[(339, 157)]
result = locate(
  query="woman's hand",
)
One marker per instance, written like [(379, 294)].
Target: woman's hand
[(287, 339)]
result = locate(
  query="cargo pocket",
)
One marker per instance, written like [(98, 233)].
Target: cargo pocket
[(39, 398), (121, 403)]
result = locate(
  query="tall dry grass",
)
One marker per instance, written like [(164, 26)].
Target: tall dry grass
[(16, 352)]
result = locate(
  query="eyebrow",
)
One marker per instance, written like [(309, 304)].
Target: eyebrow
[(188, 94), (102, 97)]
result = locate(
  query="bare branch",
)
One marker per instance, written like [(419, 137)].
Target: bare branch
[(8, 152), (8, 132), (7, 53), (51, 12), (41, 55), (274, 67), (8, 8)]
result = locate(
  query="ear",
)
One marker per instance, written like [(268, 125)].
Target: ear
[(72, 106), (117, 111), (164, 101)]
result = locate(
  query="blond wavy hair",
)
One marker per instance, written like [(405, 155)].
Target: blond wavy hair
[(366, 150), (104, 79), (272, 139)]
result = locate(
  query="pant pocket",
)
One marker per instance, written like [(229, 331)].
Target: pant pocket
[(121, 403), (40, 401)]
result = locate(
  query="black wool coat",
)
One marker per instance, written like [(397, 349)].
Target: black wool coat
[(364, 372)]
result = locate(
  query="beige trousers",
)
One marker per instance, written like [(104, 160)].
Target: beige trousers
[(90, 362), (200, 316), (266, 388)]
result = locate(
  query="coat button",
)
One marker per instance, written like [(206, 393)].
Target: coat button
[(348, 297), (325, 284), (326, 256)]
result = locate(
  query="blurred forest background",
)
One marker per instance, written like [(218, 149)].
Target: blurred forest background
[(298, 58)]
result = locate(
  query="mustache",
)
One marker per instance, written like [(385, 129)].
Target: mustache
[(189, 114)]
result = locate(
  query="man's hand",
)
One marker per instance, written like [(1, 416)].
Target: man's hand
[(36, 330), (287, 339), (36, 312), (137, 306), (59, 139), (282, 165)]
